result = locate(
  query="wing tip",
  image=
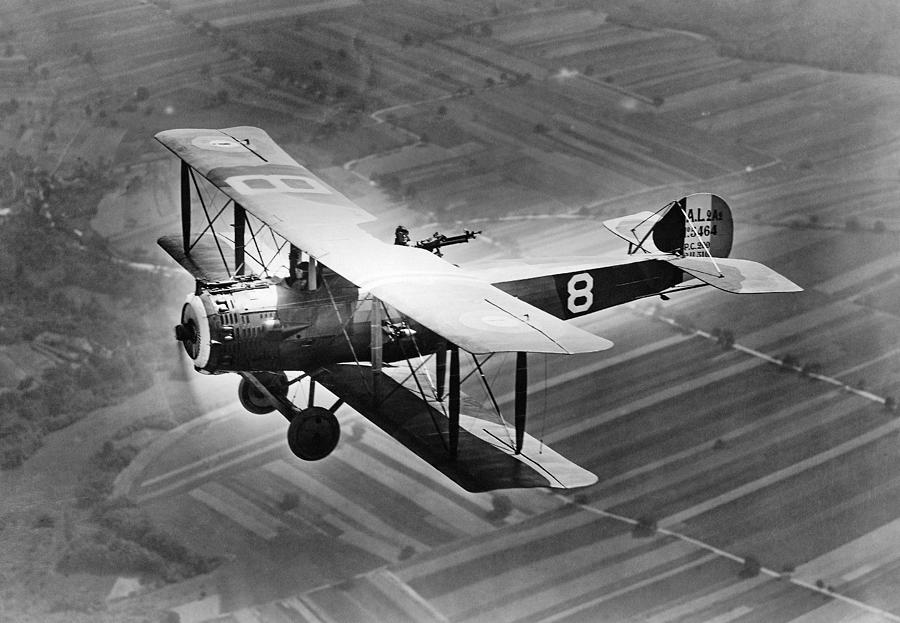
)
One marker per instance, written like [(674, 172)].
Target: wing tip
[(597, 344)]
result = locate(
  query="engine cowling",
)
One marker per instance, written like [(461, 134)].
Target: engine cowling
[(235, 325), (255, 324)]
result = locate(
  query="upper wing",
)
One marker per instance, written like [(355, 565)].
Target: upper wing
[(247, 165)]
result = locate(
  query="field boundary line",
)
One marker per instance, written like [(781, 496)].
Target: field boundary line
[(769, 358), (726, 554)]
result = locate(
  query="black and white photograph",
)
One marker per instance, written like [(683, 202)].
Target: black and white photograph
[(449, 311)]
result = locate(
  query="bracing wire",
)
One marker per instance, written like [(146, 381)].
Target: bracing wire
[(343, 328), (412, 373), (490, 394), (640, 243), (431, 384), (210, 221)]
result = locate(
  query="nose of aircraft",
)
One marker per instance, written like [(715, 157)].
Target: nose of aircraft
[(193, 331)]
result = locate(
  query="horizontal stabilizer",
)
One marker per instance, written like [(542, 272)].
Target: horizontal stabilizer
[(733, 275), (635, 227)]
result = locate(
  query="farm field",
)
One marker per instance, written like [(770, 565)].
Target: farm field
[(534, 126)]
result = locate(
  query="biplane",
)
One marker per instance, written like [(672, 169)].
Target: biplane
[(289, 282)]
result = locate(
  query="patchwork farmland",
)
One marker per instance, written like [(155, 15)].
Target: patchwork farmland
[(757, 482)]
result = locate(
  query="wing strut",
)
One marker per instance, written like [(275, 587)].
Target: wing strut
[(521, 397), (186, 206), (375, 346), (240, 224), (440, 369), (454, 400)]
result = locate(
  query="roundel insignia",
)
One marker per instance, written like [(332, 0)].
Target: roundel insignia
[(495, 322), (216, 143)]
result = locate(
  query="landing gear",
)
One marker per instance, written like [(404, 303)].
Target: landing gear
[(313, 433), (254, 400)]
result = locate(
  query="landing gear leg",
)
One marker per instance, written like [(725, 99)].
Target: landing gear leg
[(313, 432)]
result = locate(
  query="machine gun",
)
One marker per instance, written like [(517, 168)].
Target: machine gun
[(438, 240)]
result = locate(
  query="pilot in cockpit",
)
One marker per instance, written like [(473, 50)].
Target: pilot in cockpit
[(401, 236), (298, 277)]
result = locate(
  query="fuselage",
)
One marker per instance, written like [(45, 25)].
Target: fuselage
[(250, 323)]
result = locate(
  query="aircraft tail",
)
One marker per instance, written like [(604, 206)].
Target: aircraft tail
[(698, 225), (697, 233), (689, 239)]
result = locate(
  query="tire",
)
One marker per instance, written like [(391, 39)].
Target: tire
[(313, 433), (254, 400)]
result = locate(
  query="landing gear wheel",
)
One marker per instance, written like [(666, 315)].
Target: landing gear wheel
[(313, 433), (254, 400)]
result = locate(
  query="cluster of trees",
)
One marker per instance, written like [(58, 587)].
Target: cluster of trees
[(790, 362), (787, 362), (310, 79), (74, 192), (854, 36), (64, 395), (124, 338), (482, 29), (119, 538), (125, 541)]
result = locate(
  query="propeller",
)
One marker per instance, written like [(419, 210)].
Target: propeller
[(182, 395)]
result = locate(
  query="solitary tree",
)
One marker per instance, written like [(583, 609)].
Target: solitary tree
[(751, 568), (289, 501), (645, 527), (790, 361), (501, 508), (724, 337)]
